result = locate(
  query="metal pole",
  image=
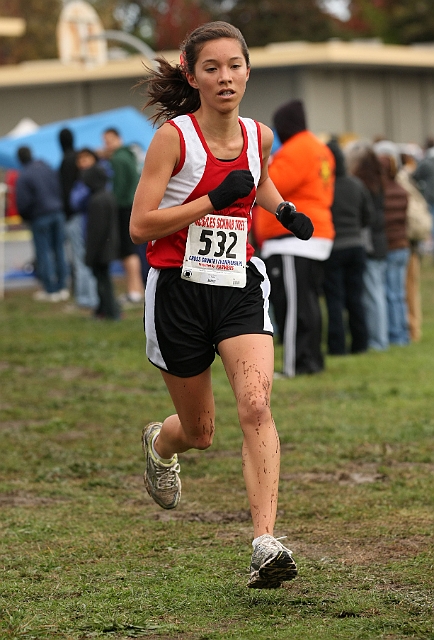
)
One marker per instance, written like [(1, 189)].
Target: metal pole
[(3, 189), (127, 38)]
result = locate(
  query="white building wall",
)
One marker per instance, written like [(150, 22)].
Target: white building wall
[(428, 102), (365, 102), (324, 97), (51, 102), (267, 89), (406, 107)]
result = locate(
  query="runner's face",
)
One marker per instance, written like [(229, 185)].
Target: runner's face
[(221, 74)]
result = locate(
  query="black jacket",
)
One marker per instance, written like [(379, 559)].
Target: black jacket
[(68, 173), (102, 227), (352, 206), (38, 191), (424, 177), (68, 170)]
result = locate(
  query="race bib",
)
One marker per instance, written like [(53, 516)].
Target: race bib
[(215, 252)]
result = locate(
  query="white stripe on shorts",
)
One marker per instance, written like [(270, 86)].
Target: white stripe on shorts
[(153, 350), (265, 286), (290, 284)]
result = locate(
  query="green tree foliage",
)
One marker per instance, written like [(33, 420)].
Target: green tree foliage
[(164, 23), (39, 40), (261, 21), (108, 12), (394, 21), (265, 21), (41, 16), (173, 19)]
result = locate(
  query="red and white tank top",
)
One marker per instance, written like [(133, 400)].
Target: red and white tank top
[(197, 173)]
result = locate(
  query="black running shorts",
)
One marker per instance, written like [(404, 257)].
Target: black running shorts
[(185, 321)]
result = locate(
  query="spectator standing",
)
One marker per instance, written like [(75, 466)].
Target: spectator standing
[(303, 172), (90, 194), (419, 228), (352, 211), (398, 252), (125, 180), (424, 178), (40, 204), (84, 283), (364, 163)]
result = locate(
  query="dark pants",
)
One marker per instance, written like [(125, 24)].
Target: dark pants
[(49, 238), (343, 288), (126, 245), (108, 307), (144, 262), (296, 285)]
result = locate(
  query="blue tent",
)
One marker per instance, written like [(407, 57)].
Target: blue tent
[(87, 130)]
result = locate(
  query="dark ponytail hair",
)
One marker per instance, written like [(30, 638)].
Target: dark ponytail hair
[(168, 88)]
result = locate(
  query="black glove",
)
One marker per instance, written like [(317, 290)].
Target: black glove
[(295, 221), (237, 184)]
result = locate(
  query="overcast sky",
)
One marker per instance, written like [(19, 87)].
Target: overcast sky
[(338, 8)]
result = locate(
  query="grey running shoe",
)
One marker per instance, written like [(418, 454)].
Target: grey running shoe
[(161, 480), (271, 564)]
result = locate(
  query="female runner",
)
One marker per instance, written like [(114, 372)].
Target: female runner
[(206, 293)]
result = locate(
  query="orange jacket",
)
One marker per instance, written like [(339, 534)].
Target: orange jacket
[(303, 172)]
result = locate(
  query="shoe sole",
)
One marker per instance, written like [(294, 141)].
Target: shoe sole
[(281, 568), (148, 485)]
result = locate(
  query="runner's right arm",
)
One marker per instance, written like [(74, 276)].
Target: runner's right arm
[(150, 223), (147, 221)]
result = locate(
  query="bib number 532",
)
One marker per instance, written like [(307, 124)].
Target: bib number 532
[(224, 243)]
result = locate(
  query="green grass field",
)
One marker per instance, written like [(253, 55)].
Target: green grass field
[(85, 553)]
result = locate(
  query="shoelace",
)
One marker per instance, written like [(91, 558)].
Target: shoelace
[(166, 478), (284, 538), (273, 544)]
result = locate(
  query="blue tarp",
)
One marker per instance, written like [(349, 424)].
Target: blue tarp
[(134, 128)]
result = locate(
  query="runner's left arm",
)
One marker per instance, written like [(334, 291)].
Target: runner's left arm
[(267, 196)]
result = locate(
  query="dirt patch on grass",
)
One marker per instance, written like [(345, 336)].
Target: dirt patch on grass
[(200, 455), (356, 474), (212, 517), (71, 373), (70, 436), (22, 499), (341, 477), (11, 425), (374, 551), (157, 636), (389, 549)]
